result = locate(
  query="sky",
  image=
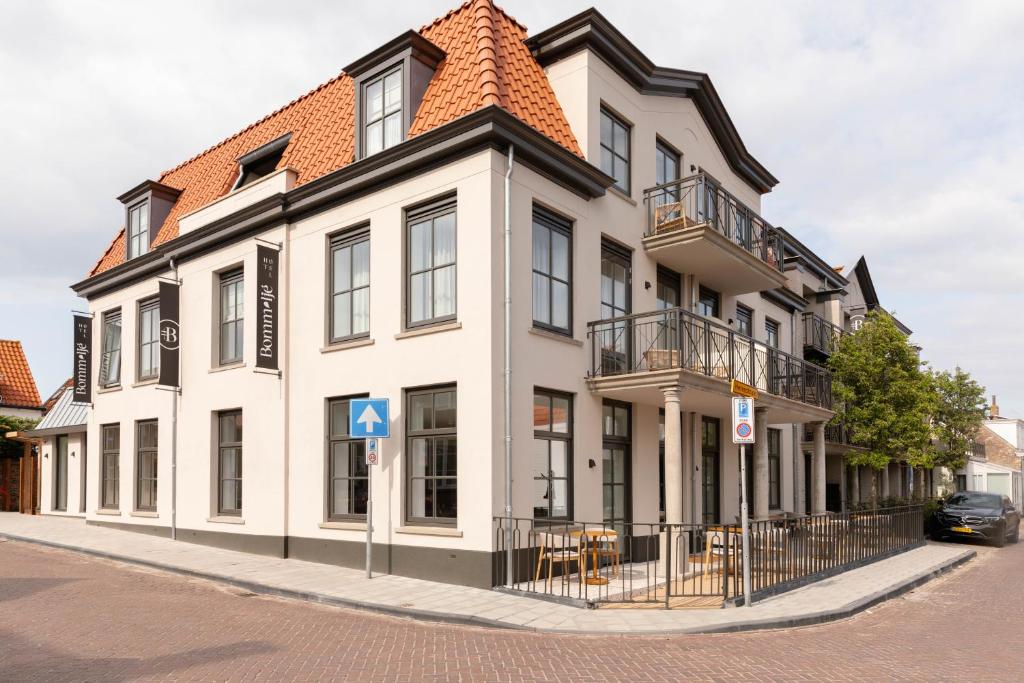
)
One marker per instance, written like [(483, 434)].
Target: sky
[(895, 128)]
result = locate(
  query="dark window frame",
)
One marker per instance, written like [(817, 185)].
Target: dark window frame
[(130, 235), (772, 328), (364, 122), (142, 345), (626, 443), (774, 469), (431, 211), (620, 122), (348, 238), (332, 438), (432, 434), (110, 462), (106, 352), (553, 223), (234, 279), (222, 447), (59, 503), (549, 435), (704, 293), (663, 150), (745, 313), (140, 452)]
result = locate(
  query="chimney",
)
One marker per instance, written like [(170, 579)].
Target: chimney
[(993, 409)]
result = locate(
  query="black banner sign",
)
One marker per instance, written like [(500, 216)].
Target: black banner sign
[(169, 334), (266, 303), (83, 359)]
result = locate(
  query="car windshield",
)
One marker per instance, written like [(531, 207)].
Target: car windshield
[(970, 499)]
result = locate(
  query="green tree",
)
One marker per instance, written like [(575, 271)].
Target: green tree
[(959, 410), (9, 423), (883, 395)]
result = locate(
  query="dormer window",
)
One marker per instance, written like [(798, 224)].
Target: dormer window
[(261, 162), (138, 230), (382, 99)]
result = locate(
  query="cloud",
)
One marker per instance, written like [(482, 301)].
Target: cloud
[(894, 127)]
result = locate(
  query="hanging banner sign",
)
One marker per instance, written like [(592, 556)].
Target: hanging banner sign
[(83, 359), (266, 303), (169, 334)]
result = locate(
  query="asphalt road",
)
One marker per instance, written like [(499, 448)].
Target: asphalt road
[(65, 616)]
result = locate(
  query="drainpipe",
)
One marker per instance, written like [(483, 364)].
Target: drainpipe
[(174, 427), (509, 574)]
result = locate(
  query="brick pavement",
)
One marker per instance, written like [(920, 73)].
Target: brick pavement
[(66, 616)]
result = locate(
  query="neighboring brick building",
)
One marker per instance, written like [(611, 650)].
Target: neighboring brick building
[(996, 469)]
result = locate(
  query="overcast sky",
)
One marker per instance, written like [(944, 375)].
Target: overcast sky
[(896, 129)]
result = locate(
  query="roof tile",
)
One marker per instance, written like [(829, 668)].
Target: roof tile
[(17, 386)]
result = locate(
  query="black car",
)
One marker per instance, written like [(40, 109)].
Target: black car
[(973, 514)]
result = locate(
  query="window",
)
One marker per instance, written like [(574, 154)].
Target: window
[(709, 303), (346, 465), (774, 465), (666, 162), (744, 320), (382, 112), (552, 454), (110, 466), (615, 303), (60, 474), (615, 149), (229, 462), (138, 230), (616, 454), (350, 285), (145, 465), (232, 316), (110, 362), (431, 263), (771, 332), (149, 339), (432, 456), (552, 271)]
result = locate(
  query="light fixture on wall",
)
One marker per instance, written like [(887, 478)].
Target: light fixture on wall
[(647, 285), (591, 464)]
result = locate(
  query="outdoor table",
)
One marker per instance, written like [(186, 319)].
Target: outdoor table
[(594, 536)]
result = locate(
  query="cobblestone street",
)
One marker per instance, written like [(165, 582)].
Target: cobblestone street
[(64, 616)]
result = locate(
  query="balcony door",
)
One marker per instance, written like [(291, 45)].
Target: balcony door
[(616, 279), (616, 464), (668, 297), (60, 475), (710, 467)]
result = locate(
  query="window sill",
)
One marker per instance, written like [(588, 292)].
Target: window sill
[(111, 513), (225, 519), (145, 382), (229, 366), (547, 334), (350, 344), (344, 526), (144, 513), (429, 329), (450, 532), (107, 390), (622, 195)]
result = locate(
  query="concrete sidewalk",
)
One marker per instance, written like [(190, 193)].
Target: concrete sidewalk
[(834, 598)]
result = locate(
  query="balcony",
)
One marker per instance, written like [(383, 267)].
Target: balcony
[(694, 226), (821, 338), (835, 434), (677, 346)]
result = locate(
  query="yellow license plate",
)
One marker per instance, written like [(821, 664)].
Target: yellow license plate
[(963, 530)]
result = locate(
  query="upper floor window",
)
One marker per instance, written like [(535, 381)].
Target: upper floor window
[(666, 162), (744, 320), (771, 333), (552, 271), (615, 152), (431, 264), (350, 285), (149, 339), (110, 363), (232, 316), (138, 230), (709, 303), (382, 112)]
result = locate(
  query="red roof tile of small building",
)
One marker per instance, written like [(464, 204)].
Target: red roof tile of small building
[(17, 386), (486, 63)]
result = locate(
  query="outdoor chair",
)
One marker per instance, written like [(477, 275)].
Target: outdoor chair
[(554, 548)]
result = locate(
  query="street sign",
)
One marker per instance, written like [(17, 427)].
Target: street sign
[(741, 389), (742, 420), (372, 451), (369, 417)]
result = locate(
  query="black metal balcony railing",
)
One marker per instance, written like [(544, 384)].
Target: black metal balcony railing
[(699, 200), (834, 433), (820, 334), (678, 339)]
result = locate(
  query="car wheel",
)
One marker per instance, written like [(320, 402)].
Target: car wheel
[(1000, 540), (1016, 534)]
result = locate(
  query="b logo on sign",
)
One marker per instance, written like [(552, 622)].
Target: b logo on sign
[(168, 334)]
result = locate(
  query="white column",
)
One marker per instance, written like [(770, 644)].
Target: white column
[(885, 481), (856, 497), (818, 469), (760, 508), (799, 504), (673, 457)]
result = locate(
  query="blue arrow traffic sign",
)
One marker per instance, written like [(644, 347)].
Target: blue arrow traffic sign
[(369, 417)]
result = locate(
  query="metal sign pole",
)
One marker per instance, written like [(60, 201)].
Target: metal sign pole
[(747, 601), (369, 511)]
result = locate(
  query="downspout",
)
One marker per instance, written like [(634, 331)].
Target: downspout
[(174, 428), (284, 379), (509, 574)]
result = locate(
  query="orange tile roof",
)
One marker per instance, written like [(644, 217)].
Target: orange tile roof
[(17, 386), (486, 63)]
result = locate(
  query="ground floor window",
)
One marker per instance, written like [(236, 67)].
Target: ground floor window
[(146, 465), (552, 455), (774, 468), (347, 473), (710, 443), (616, 453), (60, 474), (229, 463), (432, 456), (110, 466)]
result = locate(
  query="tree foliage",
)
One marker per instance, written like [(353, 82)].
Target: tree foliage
[(9, 423), (959, 410), (883, 395)]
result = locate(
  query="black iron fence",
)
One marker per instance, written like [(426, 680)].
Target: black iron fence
[(820, 334), (679, 565), (837, 433), (678, 339), (699, 200)]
